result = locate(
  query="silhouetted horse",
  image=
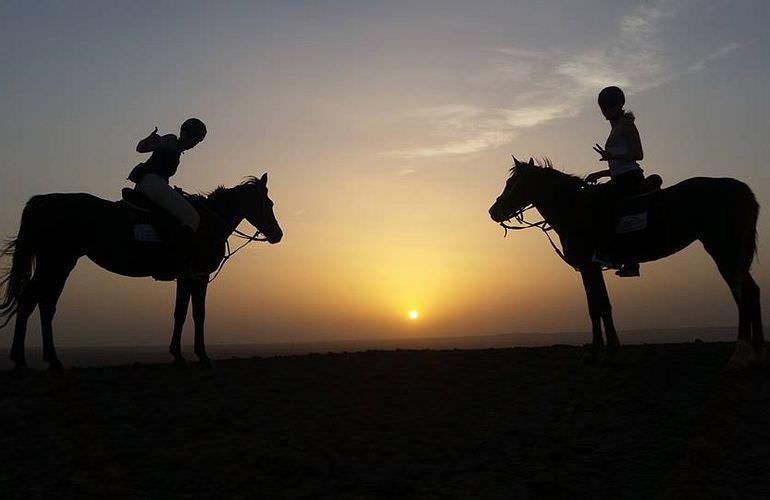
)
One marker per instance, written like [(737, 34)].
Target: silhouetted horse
[(721, 213), (57, 229)]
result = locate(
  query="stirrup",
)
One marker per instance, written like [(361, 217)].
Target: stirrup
[(628, 271)]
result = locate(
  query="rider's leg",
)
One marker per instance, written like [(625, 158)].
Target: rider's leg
[(628, 184), (159, 192), (157, 189)]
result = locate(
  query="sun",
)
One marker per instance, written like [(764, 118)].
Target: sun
[(413, 314)]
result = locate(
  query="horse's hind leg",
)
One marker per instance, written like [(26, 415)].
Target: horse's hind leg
[(736, 274), (26, 304), (52, 276), (751, 295)]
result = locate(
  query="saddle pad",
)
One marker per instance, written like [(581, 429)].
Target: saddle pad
[(631, 223), (146, 232)]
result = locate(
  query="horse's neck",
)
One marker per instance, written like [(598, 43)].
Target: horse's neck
[(555, 200), (226, 208)]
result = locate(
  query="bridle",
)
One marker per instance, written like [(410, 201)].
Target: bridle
[(542, 225), (240, 234), (230, 253)]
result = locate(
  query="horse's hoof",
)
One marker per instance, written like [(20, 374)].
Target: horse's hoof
[(55, 367), (735, 367), (180, 362), (205, 363), (742, 358), (19, 370), (760, 353)]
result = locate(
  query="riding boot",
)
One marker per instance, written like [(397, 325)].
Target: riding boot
[(628, 270)]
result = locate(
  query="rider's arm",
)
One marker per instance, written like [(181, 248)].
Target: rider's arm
[(634, 142), (147, 144), (155, 142)]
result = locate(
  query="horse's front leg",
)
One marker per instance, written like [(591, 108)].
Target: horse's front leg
[(180, 314), (599, 309), (198, 288), (605, 310)]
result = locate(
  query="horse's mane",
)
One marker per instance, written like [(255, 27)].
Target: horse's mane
[(219, 190), (545, 165)]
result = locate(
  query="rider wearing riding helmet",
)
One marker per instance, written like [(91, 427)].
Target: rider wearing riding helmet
[(622, 152), (151, 177)]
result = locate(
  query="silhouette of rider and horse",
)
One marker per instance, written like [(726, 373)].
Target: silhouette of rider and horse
[(631, 220), (155, 230), (160, 231)]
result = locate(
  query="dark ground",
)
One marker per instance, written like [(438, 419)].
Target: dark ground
[(658, 421)]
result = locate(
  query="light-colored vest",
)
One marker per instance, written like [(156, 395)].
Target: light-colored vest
[(617, 145)]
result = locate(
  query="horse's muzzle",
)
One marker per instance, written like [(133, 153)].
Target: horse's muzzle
[(274, 237), (498, 215)]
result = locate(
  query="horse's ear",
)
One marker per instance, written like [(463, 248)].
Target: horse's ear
[(515, 161), (531, 162), (263, 179)]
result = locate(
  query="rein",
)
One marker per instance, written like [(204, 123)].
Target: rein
[(542, 225), (230, 253), (236, 232)]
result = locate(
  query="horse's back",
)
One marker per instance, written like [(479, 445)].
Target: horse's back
[(709, 190), (674, 217), (705, 201), (69, 204), (73, 219)]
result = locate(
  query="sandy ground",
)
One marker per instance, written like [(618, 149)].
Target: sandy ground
[(658, 421)]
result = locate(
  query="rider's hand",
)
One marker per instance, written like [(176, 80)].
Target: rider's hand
[(153, 134), (149, 143), (593, 177), (605, 155)]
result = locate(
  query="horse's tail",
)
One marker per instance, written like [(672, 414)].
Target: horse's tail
[(756, 218), (22, 252)]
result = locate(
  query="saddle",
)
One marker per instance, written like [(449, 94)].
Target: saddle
[(150, 223), (157, 232), (630, 211), (617, 223)]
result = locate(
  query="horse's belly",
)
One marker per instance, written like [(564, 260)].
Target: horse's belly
[(648, 245), (133, 259)]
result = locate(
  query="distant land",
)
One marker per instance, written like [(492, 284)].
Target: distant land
[(120, 355)]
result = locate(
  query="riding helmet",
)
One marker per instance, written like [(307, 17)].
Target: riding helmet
[(611, 97), (194, 127)]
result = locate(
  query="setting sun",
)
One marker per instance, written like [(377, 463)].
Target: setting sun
[(413, 314)]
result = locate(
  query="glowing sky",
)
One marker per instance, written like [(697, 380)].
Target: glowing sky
[(387, 129)]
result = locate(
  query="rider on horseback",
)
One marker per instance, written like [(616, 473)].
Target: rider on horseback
[(151, 177), (622, 152)]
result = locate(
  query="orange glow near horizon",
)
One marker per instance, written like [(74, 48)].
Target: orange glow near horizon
[(384, 155)]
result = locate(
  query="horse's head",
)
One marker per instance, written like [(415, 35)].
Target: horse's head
[(258, 207), (517, 193)]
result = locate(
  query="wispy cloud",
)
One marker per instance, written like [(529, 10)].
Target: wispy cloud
[(565, 83), (701, 63)]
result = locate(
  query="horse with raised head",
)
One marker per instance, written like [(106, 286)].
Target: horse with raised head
[(721, 213), (57, 229)]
